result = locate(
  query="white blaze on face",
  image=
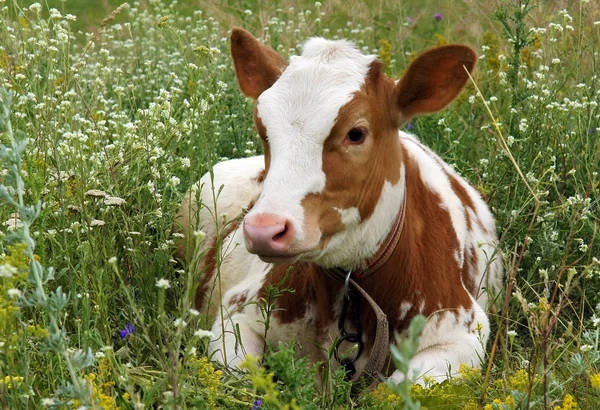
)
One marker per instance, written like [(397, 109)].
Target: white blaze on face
[(298, 112)]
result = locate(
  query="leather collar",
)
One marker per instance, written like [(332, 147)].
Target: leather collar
[(382, 254)]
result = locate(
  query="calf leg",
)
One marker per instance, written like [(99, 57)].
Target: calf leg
[(449, 339), (234, 185), (211, 206)]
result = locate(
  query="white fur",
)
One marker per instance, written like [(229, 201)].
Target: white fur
[(449, 339)]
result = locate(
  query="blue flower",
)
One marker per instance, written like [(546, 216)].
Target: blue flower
[(409, 126), (257, 404), (129, 330)]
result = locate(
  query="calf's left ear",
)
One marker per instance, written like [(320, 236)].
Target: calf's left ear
[(434, 80)]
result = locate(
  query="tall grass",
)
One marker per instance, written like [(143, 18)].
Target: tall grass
[(119, 122)]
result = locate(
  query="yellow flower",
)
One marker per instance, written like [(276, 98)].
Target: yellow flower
[(595, 379), (440, 40), (471, 405), (569, 403), (520, 381), (385, 52), (11, 381)]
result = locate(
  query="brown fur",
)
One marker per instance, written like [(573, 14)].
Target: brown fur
[(209, 262)]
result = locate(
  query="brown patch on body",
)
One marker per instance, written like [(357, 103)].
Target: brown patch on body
[(471, 271), (259, 179), (239, 300), (310, 285), (209, 262)]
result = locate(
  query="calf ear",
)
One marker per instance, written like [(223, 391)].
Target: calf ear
[(433, 80), (257, 66)]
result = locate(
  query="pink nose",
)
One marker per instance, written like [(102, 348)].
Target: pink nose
[(267, 234)]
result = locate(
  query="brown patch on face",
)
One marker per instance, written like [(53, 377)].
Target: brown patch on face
[(355, 173), (209, 267)]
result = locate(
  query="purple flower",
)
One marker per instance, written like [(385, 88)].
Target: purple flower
[(257, 404), (438, 16), (129, 329), (409, 126), (410, 19)]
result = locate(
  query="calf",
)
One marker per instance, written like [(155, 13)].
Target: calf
[(340, 188)]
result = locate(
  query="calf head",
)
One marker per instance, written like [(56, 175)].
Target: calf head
[(329, 122)]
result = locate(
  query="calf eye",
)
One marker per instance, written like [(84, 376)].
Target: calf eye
[(355, 136)]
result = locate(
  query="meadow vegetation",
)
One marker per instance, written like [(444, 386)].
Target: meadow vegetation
[(104, 124)]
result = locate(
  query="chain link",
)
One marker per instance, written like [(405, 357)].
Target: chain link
[(351, 299)]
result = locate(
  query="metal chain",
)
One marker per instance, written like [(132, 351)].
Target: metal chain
[(351, 297)]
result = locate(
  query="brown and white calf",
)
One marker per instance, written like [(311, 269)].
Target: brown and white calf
[(336, 178)]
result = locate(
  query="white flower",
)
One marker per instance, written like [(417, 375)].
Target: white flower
[(55, 14), (96, 192), (194, 312), (47, 401), (13, 223), (511, 333), (35, 7), (595, 320), (7, 270), (112, 260), (199, 235), (114, 200), (99, 355), (97, 222), (201, 333), (14, 293), (163, 283), (180, 323), (586, 348)]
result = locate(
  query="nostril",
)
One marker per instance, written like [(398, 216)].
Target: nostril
[(281, 234)]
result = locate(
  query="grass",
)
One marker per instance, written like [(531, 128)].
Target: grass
[(120, 122)]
